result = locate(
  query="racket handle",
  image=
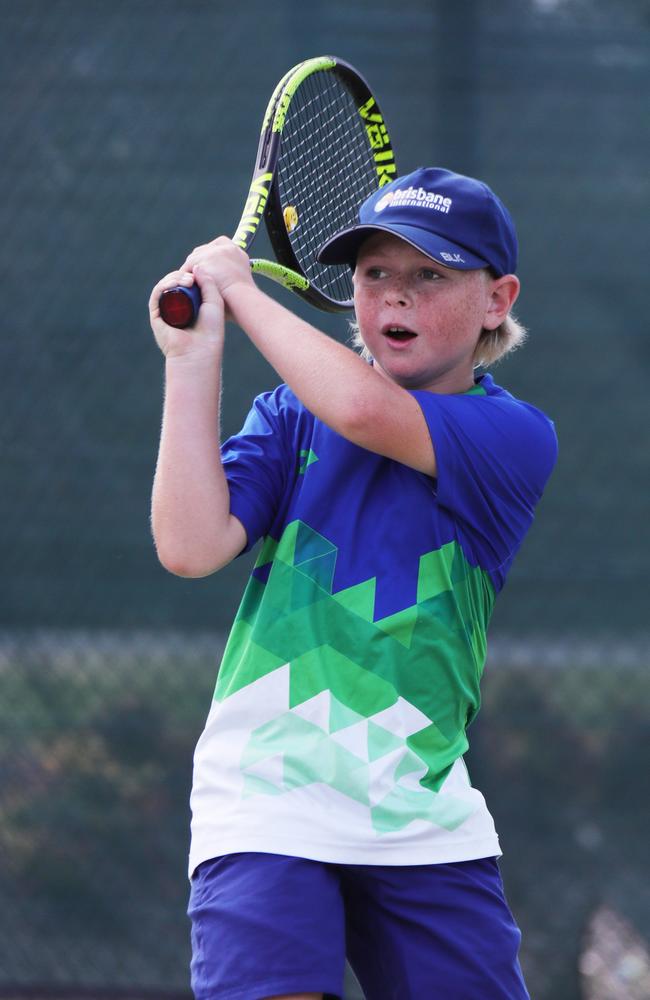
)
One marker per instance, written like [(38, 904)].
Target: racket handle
[(180, 306)]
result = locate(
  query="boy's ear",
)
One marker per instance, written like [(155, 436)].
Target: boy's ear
[(503, 295)]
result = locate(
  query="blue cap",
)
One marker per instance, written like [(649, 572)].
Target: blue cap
[(455, 220)]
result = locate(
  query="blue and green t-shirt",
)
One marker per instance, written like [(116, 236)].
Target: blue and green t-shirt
[(352, 670)]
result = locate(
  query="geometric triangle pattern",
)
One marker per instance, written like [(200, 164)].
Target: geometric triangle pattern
[(307, 458), (323, 741), (375, 709)]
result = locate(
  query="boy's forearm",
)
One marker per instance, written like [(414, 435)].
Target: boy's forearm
[(191, 520), (330, 379)]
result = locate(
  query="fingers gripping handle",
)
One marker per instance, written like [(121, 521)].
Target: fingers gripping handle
[(180, 306)]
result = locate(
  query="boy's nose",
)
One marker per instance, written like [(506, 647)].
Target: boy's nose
[(396, 294)]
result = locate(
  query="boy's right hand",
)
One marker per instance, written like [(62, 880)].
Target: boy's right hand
[(205, 337)]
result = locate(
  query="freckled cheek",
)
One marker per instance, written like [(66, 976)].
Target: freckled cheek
[(456, 322), (366, 309)]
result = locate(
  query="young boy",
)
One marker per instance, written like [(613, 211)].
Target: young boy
[(332, 811)]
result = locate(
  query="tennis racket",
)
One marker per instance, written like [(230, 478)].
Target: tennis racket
[(323, 150)]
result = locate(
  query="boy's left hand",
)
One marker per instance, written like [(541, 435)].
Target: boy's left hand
[(222, 263)]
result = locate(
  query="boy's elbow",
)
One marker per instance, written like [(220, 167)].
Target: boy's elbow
[(181, 566), (192, 561), (190, 566)]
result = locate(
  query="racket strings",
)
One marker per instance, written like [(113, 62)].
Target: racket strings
[(326, 170), (342, 159)]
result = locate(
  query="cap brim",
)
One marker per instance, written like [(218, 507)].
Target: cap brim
[(343, 247)]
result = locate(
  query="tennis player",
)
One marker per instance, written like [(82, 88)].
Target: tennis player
[(332, 811)]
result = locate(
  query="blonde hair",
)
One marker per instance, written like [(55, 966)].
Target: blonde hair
[(493, 345)]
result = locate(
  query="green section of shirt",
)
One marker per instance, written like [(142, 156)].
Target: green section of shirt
[(429, 655)]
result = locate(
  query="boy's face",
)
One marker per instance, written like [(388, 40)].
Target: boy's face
[(419, 320)]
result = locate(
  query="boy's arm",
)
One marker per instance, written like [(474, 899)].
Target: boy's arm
[(194, 531), (332, 381)]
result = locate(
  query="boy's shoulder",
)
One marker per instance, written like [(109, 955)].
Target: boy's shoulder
[(280, 399), (490, 419), (485, 391), (281, 410), (527, 413)]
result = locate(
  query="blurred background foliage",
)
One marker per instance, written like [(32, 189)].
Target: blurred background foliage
[(128, 133)]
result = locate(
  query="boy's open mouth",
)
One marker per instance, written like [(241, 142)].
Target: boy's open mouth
[(399, 333)]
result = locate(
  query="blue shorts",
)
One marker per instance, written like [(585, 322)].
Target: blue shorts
[(265, 924)]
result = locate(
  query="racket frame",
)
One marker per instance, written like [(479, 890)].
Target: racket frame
[(264, 194), (263, 200)]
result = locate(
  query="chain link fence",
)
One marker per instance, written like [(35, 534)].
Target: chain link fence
[(97, 737), (128, 131)]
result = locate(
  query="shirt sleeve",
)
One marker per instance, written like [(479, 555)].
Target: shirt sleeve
[(256, 462), (494, 455)]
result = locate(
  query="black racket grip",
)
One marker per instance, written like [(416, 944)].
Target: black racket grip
[(180, 306)]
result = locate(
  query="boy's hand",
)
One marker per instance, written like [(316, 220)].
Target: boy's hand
[(205, 338), (222, 263), (218, 268)]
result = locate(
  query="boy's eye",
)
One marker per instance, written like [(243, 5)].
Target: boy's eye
[(428, 274), (375, 272)]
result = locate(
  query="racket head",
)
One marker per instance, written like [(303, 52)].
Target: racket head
[(327, 150), (324, 148)]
